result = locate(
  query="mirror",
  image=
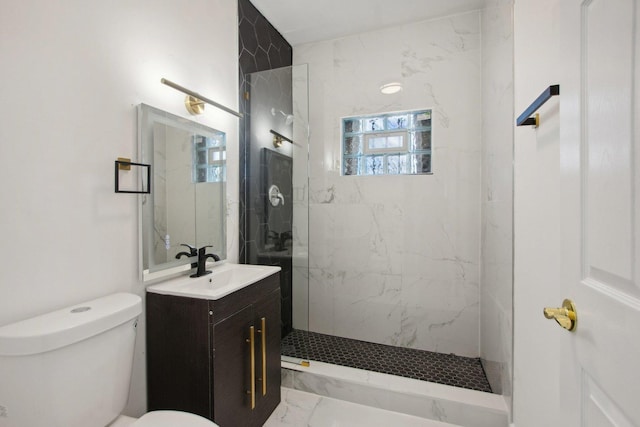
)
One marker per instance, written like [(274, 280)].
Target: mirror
[(187, 204)]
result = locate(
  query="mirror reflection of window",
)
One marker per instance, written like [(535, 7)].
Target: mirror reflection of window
[(209, 158)]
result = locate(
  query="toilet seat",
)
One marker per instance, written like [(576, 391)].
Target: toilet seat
[(172, 419)]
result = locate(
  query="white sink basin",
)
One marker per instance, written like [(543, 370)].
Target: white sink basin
[(224, 279)]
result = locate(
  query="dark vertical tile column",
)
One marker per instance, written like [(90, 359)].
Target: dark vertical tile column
[(261, 47)]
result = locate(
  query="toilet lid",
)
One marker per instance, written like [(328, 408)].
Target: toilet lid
[(172, 419)]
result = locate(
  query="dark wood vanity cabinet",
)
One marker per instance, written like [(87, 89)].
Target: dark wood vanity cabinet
[(244, 360), (216, 358)]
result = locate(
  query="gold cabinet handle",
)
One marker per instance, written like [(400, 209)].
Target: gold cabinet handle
[(252, 350), (263, 336), (566, 316)]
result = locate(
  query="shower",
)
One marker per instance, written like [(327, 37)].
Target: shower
[(399, 275), (379, 263), (332, 312)]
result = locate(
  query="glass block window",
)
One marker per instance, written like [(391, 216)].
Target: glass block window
[(387, 144), (209, 158)]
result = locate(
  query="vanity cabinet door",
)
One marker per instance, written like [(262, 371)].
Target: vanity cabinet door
[(267, 317), (178, 358), (232, 368)]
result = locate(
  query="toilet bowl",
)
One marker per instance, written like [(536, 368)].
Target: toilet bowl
[(72, 368), (163, 419)]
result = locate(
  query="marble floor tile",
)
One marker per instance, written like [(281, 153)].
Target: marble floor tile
[(300, 409)]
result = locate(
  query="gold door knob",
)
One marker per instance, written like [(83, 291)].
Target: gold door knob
[(566, 316)]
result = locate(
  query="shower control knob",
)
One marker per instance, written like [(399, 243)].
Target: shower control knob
[(275, 196)]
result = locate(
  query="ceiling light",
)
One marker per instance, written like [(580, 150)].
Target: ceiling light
[(389, 88)]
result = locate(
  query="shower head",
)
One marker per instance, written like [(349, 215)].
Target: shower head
[(288, 118)]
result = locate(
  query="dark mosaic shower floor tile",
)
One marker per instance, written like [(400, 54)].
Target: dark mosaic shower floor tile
[(449, 369)]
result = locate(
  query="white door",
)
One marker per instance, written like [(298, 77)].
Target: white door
[(600, 166)]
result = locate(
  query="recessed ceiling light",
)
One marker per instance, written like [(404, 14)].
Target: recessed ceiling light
[(389, 88)]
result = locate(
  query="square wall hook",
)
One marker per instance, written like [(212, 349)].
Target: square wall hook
[(124, 164)]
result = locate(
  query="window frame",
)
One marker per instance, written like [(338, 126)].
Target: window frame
[(355, 152), (402, 149)]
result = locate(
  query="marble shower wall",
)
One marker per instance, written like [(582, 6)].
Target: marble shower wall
[(395, 259), (496, 321)]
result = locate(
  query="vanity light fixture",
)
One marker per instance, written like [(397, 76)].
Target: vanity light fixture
[(391, 88), (277, 141), (194, 102), (278, 138), (194, 105)]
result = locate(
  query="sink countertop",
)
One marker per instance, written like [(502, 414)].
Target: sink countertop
[(223, 280)]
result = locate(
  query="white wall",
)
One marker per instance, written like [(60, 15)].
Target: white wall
[(72, 73), (536, 216), (496, 272), (395, 259)]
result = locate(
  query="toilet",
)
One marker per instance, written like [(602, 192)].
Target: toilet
[(72, 368)]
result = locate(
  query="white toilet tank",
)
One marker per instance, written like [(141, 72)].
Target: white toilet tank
[(70, 367)]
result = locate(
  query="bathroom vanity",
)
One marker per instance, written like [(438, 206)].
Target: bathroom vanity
[(213, 348)]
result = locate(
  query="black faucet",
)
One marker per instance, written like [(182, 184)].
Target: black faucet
[(192, 252), (284, 236), (202, 261)]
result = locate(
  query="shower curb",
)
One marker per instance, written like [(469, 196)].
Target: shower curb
[(469, 408)]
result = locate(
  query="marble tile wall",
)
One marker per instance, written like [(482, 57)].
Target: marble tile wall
[(496, 323), (395, 259)]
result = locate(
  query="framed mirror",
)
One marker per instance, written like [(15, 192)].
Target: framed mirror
[(187, 204)]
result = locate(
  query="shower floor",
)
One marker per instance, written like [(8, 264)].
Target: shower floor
[(449, 369)]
